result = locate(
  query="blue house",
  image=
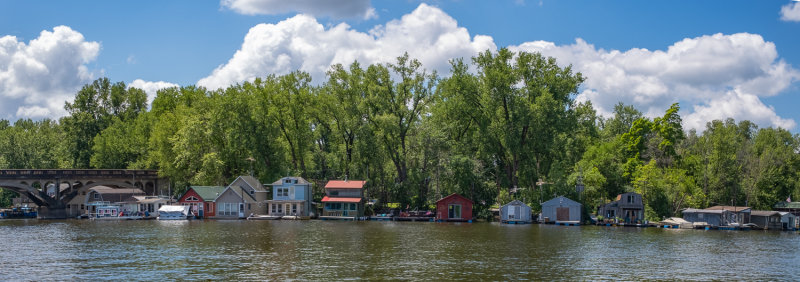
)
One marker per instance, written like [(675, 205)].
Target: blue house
[(291, 196)]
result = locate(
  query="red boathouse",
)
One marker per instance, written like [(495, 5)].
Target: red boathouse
[(454, 208)]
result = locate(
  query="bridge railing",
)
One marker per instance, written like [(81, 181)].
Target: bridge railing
[(70, 173)]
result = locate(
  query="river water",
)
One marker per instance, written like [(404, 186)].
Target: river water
[(332, 250)]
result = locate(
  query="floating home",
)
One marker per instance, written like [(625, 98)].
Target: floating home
[(515, 212), (243, 197), (718, 216), (561, 210), (628, 207), (291, 196), (201, 200), (344, 199), (104, 195), (766, 219), (454, 208)]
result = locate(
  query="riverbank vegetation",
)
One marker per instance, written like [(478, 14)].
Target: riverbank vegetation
[(502, 125)]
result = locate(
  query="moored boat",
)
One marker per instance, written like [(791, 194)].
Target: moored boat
[(114, 212), (173, 212)]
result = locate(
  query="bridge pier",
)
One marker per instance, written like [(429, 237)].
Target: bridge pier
[(46, 212)]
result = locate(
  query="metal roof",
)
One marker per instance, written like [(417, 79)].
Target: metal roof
[(345, 184), (327, 199), (208, 193)]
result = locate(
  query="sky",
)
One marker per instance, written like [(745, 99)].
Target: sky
[(719, 59)]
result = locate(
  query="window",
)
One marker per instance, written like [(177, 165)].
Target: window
[(228, 208), (82, 206), (252, 191), (700, 216), (287, 181), (191, 199), (454, 211), (353, 207), (283, 192), (273, 208), (280, 208), (248, 206), (96, 196), (334, 192), (294, 208), (630, 199)]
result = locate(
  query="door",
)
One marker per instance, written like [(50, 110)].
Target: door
[(287, 208), (241, 209), (562, 214), (454, 211), (511, 212)]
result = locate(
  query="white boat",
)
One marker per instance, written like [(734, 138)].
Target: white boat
[(114, 212), (173, 212)]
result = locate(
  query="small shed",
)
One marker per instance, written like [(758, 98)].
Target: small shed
[(561, 209), (515, 212), (454, 208)]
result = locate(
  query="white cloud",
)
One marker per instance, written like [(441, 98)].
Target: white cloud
[(736, 104), (707, 74), (37, 78), (151, 87), (301, 42), (332, 8), (791, 12)]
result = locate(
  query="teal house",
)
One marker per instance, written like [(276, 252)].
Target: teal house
[(291, 196)]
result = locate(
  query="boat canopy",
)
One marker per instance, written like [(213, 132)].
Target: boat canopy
[(174, 208)]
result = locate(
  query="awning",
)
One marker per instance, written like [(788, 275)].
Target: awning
[(327, 199)]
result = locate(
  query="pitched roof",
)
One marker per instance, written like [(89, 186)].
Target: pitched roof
[(117, 194), (560, 200), (764, 213), (208, 193), (345, 184), (515, 203), (690, 210), (327, 199), (453, 196), (299, 179), (251, 181), (729, 208), (236, 189)]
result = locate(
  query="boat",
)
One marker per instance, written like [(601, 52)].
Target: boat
[(19, 212), (173, 212), (114, 212)]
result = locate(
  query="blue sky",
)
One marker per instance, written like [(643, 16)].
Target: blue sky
[(718, 59)]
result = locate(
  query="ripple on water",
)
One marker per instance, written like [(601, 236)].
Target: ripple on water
[(329, 250)]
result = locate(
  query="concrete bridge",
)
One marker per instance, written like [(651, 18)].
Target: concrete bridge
[(66, 184)]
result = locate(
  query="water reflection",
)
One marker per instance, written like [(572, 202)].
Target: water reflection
[(330, 250)]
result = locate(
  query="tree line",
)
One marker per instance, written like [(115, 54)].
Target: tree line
[(502, 126)]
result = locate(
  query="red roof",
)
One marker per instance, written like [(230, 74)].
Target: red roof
[(345, 184), (454, 195), (327, 199)]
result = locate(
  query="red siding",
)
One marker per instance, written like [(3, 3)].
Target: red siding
[(208, 209), (442, 207)]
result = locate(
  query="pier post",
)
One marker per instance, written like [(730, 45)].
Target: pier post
[(46, 212)]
